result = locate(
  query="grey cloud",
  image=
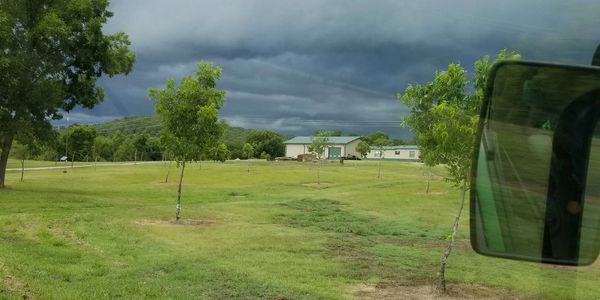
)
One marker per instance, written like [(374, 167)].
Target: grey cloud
[(270, 27), (295, 66)]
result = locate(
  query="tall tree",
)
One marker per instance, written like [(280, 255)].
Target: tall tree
[(125, 149), (374, 136), (102, 148), (140, 142), (220, 153), (189, 115), (23, 152), (27, 145), (363, 148), (79, 140), (443, 117), (51, 55), (267, 141), (317, 147), (154, 149), (324, 132), (397, 142), (380, 144)]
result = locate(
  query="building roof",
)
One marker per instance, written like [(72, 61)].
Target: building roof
[(338, 140), (400, 147)]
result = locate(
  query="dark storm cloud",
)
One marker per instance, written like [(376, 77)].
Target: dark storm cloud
[(297, 66)]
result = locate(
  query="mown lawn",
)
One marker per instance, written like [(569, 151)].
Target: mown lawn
[(270, 234)]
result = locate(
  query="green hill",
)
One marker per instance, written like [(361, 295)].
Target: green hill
[(130, 125), (234, 137)]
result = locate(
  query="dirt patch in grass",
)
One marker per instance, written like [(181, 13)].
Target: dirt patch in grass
[(323, 185), (237, 195), (181, 222), (334, 216), (12, 285), (170, 182), (426, 292), (383, 185), (462, 244)]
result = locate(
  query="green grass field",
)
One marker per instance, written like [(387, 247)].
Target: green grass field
[(270, 234)]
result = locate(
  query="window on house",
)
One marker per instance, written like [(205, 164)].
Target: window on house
[(411, 154), (397, 152)]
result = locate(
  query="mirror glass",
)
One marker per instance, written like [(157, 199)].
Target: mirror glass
[(535, 192)]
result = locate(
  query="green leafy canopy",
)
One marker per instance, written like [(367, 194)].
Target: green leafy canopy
[(319, 144), (51, 56), (363, 148), (248, 150), (444, 115), (188, 112)]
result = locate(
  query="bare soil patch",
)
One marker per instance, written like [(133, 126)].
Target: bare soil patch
[(427, 292), (180, 222), (12, 284), (323, 185), (237, 195)]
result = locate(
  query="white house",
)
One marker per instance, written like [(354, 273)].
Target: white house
[(403, 152), (340, 146)]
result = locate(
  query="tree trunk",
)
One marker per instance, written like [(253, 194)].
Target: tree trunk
[(179, 192), (22, 168), (442, 273), (135, 157), (428, 179), (95, 163), (319, 173), (168, 171), (248, 166), (379, 172), (6, 145), (72, 160)]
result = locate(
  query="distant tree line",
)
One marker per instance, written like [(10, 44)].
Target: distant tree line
[(81, 142), (138, 139)]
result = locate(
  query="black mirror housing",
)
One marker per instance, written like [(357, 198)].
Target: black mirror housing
[(537, 160)]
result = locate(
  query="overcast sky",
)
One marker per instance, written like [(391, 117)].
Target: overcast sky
[(294, 66)]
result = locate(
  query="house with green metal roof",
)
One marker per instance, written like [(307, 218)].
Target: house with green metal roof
[(340, 146)]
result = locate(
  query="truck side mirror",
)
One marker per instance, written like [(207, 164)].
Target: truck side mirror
[(535, 190)]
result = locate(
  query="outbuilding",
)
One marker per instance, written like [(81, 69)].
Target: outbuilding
[(339, 146), (403, 152)]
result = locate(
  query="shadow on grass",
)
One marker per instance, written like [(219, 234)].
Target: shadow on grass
[(354, 239)]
